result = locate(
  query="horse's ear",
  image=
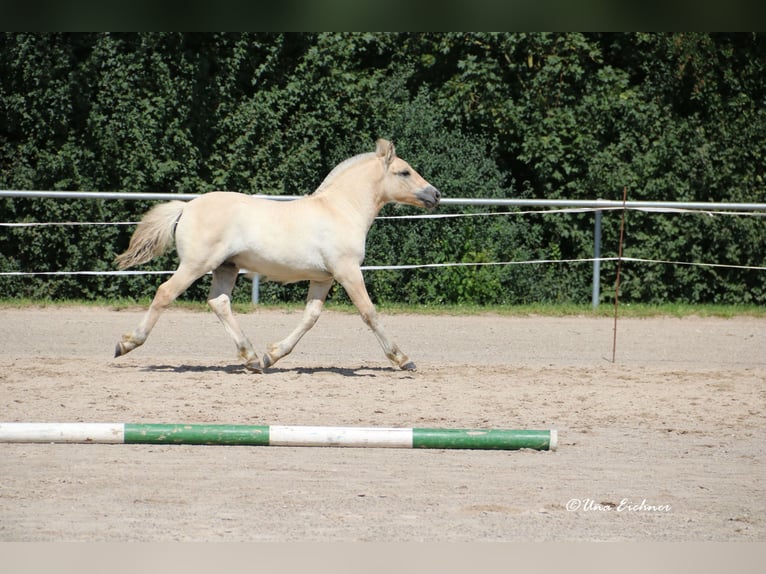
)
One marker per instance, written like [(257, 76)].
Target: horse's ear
[(385, 149)]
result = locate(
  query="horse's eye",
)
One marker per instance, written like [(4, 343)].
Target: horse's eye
[(404, 173)]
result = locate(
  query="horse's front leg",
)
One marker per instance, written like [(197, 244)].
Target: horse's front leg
[(353, 282), (318, 291)]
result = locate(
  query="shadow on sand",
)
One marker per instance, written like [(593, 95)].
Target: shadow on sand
[(239, 369)]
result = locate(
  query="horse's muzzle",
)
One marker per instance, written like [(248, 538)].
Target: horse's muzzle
[(430, 196)]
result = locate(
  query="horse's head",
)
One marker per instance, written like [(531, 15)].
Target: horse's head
[(401, 183)]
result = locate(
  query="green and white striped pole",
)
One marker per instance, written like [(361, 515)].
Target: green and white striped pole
[(277, 435)]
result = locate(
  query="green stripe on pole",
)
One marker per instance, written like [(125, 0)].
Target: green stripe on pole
[(492, 439), (248, 435)]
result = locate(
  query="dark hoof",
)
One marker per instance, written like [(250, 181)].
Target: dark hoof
[(118, 350), (254, 368), (266, 362), (409, 366)]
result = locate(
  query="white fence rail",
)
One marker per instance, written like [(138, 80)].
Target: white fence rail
[(597, 206), (558, 203)]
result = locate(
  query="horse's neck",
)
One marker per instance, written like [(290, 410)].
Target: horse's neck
[(341, 169), (352, 187), (358, 201)]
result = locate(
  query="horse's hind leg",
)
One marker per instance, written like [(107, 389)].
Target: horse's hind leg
[(315, 301), (165, 295), (219, 300)]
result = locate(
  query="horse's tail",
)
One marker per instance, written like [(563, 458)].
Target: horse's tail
[(153, 236)]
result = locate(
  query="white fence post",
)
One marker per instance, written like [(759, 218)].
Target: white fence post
[(256, 294), (596, 261)]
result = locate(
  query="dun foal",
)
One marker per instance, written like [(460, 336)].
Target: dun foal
[(319, 238)]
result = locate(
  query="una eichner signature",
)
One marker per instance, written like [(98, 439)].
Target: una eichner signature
[(625, 505)]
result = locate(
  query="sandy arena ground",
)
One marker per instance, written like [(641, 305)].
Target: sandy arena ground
[(667, 444)]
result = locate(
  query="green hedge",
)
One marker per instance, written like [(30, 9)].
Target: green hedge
[(672, 117)]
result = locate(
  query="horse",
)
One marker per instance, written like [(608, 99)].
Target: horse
[(319, 237)]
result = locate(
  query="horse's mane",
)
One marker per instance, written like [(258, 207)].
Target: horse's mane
[(338, 169)]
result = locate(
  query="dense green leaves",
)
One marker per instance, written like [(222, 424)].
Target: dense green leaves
[(574, 116)]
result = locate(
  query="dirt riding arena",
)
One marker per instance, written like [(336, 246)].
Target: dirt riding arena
[(666, 444)]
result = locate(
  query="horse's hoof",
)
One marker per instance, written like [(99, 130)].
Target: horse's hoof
[(254, 368), (266, 362), (408, 366), (118, 350)]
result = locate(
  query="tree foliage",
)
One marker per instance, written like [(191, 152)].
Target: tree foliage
[(571, 116)]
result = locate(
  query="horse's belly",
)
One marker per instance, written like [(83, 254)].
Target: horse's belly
[(286, 270)]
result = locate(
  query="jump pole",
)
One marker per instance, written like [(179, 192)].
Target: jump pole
[(277, 435)]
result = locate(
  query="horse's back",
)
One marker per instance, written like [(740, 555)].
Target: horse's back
[(280, 239), (215, 201)]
